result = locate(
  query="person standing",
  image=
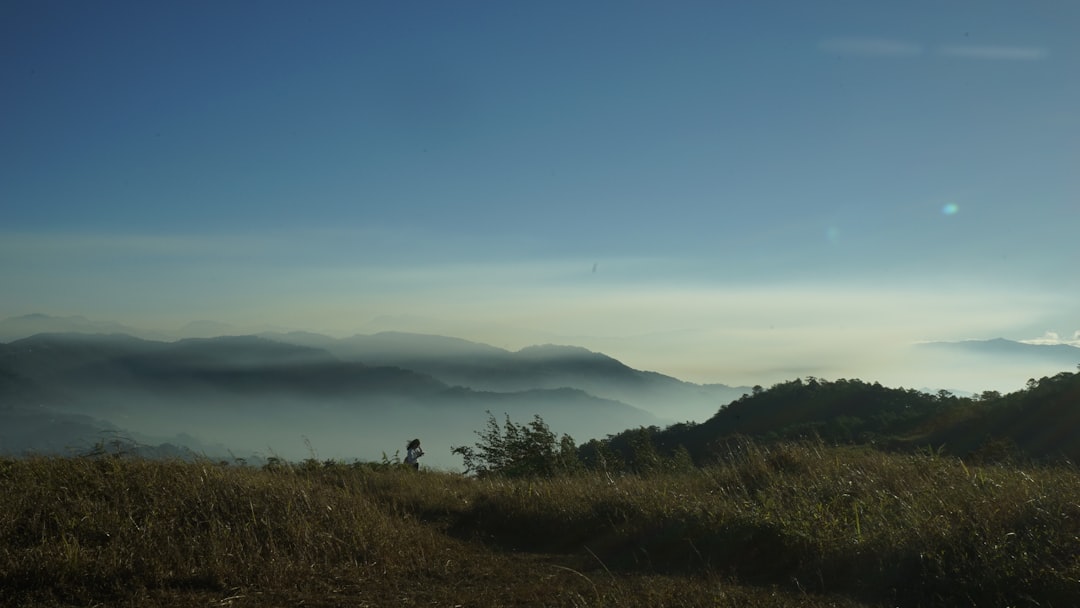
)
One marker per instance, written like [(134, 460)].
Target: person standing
[(413, 454)]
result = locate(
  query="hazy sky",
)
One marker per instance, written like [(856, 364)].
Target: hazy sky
[(734, 192)]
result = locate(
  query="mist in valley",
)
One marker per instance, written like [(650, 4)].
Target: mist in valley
[(296, 396), (253, 398), (262, 427)]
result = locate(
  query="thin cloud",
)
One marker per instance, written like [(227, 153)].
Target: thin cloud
[(85, 245), (998, 53), (873, 47), (1052, 338)]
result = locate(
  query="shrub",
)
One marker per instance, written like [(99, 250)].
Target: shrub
[(519, 450)]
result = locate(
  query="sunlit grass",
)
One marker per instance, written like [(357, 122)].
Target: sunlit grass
[(791, 524)]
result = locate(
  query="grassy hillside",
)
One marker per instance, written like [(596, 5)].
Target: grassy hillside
[(788, 524)]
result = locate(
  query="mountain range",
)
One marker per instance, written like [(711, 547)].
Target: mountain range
[(24, 326), (263, 393), (301, 394), (482, 367), (1001, 349)]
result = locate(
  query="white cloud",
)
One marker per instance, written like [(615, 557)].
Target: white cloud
[(1052, 338), (1004, 53), (882, 47)]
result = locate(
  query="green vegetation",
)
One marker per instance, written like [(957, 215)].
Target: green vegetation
[(519, 450), (784, 524), (1039, 423)]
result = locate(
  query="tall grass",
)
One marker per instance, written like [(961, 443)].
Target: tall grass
[(792, 524), (916, 529), (110, 527)]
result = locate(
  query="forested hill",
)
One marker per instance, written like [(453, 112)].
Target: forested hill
[(1041, 422)]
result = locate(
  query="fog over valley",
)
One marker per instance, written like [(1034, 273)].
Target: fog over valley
[(272, 397), (298, 395)]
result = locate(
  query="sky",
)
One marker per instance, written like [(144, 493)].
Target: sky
[(725, 192)]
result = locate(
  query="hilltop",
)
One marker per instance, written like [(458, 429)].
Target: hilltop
[(1039, 422)]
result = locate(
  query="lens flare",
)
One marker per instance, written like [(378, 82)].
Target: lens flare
[(950, 209)]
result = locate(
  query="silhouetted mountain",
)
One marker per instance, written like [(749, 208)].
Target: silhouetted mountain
[(455, 362), (487, 368), (225, 354), (50, 358), (259, 390), (240, 364), (16, 328), (1060, 354), (205, 329), (398, 347), (302, 338)]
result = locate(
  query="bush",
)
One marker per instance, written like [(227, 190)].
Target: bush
[(519, 450)]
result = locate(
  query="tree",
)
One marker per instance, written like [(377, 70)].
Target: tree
[(598, 455), (519, 450)]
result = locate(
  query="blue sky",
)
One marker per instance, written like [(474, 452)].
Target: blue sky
[(729, 192)]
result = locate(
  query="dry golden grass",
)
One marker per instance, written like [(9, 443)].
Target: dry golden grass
[(787, 525)]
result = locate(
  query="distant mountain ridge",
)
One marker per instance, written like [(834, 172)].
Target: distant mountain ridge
[(24, 326), (249, 383), (1009, 348), (450, 361), (16, 328), (487, 368)]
